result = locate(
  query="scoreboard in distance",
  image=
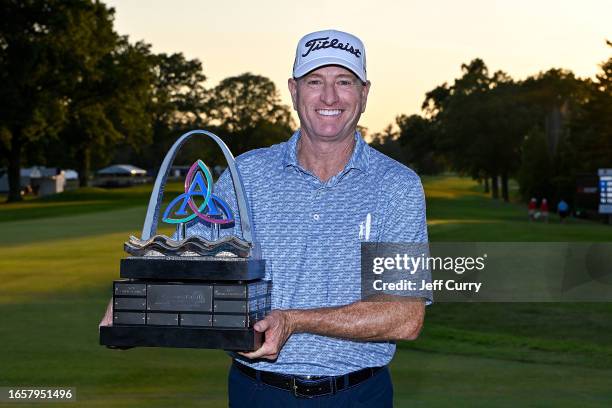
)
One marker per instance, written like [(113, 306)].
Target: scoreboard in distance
[(605, 191)]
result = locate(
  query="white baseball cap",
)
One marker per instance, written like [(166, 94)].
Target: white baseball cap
[(330, 47)]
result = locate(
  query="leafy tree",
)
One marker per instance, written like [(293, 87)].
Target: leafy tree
[(463, 120), (109, 108), (478, 124), (555, 100), (388, 143), (536, 169), (178, 103), (591, 127), (240, 102), (418, 144), (44, 45), (545, 130), (72, 80), (244, 106), (436, 100), (179, 95)]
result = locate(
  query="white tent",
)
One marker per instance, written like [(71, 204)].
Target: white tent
[(122, 170)]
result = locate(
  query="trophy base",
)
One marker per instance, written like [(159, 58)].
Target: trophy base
[(234, 339), (192, 268)]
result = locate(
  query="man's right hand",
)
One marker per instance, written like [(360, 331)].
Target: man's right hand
[(277, 327), (107, 320)]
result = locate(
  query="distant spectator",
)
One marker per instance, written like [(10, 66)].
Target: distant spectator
[(531, 209), (28, 189), (544, 210), (563, 210)]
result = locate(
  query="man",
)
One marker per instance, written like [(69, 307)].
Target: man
[(563, 210), (315, 198)]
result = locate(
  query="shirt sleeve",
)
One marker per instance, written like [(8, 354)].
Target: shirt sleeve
[(404, 232), (405, 218)]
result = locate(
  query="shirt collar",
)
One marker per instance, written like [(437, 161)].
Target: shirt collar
[(359, 158)]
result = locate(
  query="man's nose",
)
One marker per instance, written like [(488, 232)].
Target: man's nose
[(329, 95)]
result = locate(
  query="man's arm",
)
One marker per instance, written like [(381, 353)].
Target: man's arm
[(385, 319), (399, 319)]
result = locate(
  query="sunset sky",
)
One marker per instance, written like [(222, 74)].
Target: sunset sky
[(411, 46)]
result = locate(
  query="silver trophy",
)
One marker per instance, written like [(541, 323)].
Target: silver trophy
[(191, 291)]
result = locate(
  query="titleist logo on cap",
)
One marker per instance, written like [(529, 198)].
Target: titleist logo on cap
[(322, 43)]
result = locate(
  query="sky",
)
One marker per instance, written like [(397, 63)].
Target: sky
[(411, 46)]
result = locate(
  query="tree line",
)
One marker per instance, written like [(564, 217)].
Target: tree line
[(543, 130), (76, 94)]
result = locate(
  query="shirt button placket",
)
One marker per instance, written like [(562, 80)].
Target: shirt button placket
[(316, 198)]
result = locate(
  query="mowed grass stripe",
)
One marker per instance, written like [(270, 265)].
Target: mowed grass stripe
[(30, 232), (442, 380), (127, 221), (29, 271), (85, 200), (506, 346)]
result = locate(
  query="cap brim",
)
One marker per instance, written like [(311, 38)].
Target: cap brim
[(323, 61)]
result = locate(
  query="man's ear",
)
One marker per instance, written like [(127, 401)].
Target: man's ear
[(364, 96), (292, 84)]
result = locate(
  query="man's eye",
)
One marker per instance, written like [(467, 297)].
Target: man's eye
[(314, 82), (345, 82)]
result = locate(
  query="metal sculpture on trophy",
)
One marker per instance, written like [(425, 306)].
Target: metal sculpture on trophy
[(191, 291)]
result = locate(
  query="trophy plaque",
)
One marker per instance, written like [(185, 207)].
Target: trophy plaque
[(191, 291)]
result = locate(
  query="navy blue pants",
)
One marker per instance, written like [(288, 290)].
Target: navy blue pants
[(375, 392)]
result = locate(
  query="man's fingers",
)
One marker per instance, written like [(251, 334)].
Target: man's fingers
[(107, 319), (262, 325), (266, 357), (262, 351), (271, 346), (265, 351)]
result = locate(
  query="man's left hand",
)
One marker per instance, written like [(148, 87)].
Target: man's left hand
[(277, 327)]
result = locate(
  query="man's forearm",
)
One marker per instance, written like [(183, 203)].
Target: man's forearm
[(398, 319)]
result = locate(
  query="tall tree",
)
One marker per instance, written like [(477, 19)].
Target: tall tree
[(553, 152), (478, 124), (43, 46), (418, 144), (239, 102), (387, 142), (591, 127), (242, 104), (109, 107), (178, 103)]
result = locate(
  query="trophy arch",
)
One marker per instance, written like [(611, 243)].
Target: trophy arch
[(149, 228)]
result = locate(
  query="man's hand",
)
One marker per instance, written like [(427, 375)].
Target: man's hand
[(277, 327), (107, 320)]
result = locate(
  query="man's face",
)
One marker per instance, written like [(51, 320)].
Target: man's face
[(329, 102)]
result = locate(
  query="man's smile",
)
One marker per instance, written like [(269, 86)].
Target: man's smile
[(329, 112)]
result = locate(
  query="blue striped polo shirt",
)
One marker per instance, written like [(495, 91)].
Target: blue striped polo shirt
[(310, 234)]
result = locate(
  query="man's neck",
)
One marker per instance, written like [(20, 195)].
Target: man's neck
[(324, 159)]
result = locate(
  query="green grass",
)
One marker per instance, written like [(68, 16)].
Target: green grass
[(82, 201), (457, 210), (59, 256)]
